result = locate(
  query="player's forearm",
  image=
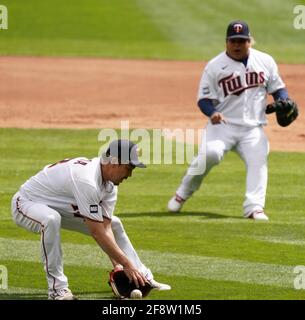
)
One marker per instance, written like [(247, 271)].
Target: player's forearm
[(108, 244), (105, 239), (206, 106), (114, 263)]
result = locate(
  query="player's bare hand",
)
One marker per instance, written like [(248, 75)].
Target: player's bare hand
[(217, 118), (135, 275)]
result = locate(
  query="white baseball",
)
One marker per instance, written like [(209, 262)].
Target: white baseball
[(136, 294)]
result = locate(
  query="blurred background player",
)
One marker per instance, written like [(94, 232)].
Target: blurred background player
[(233, 94)]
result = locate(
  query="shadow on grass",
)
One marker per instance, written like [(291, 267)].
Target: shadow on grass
[(94, 295), (23, 296), (206, 215), (83, 295)]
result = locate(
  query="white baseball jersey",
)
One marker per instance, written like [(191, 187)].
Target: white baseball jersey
[(239, 92), (73, 187)]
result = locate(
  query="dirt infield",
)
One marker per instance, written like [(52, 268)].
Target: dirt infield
[(98, 93)]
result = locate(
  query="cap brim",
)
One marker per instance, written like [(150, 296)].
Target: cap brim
[(238, 37), (138, 164)]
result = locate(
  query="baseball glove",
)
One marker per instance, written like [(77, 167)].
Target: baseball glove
[(121, 286), (286, 111)]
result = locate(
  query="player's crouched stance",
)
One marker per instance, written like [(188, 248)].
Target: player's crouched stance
[(80, 195), (232, 93)]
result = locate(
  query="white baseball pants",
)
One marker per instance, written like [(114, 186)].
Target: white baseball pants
[(252, 146), (40, 218)]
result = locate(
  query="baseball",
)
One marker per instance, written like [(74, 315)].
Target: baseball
[(136, 294)]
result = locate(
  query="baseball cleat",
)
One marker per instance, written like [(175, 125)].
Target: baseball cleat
[(159, 286), (258, 215), (175, 203), (62, 294)]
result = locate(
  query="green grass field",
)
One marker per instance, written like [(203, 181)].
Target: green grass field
[(173, 29), (208, 251), (209, 243)]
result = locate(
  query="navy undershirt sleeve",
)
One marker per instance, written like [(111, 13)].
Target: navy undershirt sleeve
[(206, 106), (280, 94)]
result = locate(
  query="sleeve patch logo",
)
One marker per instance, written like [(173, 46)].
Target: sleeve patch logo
[(206, 90), (93, 208)]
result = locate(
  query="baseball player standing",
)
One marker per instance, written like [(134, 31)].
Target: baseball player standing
[(233, 93), (80, 195)]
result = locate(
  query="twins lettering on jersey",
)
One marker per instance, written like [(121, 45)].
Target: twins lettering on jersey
[(233, 84)]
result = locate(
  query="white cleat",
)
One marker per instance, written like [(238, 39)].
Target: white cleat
[(175, 203), (159, 286), (62, 294), (258, 215)]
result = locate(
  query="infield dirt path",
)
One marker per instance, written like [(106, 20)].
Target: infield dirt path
[(99, 93)]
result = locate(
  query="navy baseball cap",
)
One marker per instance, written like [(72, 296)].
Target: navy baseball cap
[(238, 29), (125, 152)]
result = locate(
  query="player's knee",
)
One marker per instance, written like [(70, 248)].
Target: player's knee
[(52, 220), (260, 158), (116, 225), (214, 156)]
